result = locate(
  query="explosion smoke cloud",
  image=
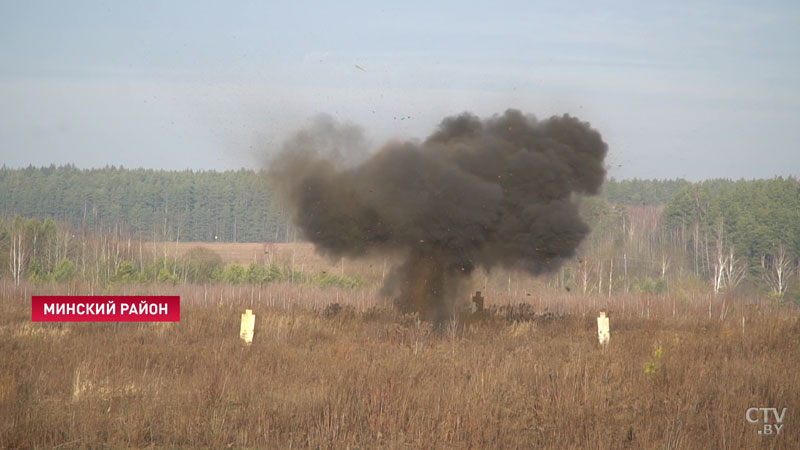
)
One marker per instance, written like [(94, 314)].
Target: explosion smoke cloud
[(501, 191)]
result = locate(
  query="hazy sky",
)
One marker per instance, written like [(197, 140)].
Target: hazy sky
[(678, 89)]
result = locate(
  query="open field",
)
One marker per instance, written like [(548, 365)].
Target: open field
[(240, 252), (366, 377), (300, 256)]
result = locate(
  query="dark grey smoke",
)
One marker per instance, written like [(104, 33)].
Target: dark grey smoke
[(501, 191)]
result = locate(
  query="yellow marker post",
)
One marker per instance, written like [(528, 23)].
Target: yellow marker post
[(603, 331), (248, 326)]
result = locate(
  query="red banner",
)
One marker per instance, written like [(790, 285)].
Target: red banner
[(106, 308)]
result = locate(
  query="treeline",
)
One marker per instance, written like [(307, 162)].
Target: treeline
[(232, 206), (647, 235), (721, 235), (51, 252), (639, 192), (736, 229)]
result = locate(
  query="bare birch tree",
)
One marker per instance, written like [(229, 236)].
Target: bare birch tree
[(735, 270), (777, 276), (18, 253)]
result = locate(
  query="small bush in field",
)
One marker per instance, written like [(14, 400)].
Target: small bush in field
[(256, 273), (652, 368), (325, 279), (164, 276), (234, 273), (201, 264), (64, 271), (126, 272)]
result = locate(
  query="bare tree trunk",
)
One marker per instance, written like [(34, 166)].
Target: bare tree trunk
[(780, 272), (696, 240), (625, 269), (17, 255), (665, 262), (721, 263), (600, 273), (736, 270), (584, 276)]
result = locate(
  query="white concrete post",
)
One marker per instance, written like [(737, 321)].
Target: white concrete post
[(603, 331), (248, 326)]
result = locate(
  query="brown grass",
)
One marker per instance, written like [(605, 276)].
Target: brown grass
[(300, 256), (368, 378), (240, 252)]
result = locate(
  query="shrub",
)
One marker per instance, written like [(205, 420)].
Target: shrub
[(201, 264), (653, 367), (234, 273), (126, 272), (36, 272), (256, 273), (325, 279), (64, 271), (164, 275), (274, 273), (649, 285)]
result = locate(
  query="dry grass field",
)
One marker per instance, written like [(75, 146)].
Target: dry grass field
[(366, 377), (301, 256), (239, 252)]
